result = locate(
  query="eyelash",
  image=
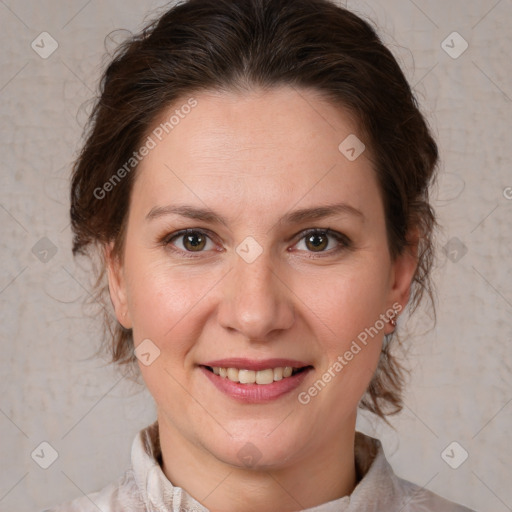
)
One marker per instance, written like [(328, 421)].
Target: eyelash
[(343, 240)]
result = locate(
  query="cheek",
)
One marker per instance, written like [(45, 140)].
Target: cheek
[(345, 310), (164, 304), (346, 301), (163, 301)]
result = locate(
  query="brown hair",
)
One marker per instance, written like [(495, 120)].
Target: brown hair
[(201, 45)]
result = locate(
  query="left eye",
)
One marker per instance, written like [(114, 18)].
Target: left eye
[(320, 241)]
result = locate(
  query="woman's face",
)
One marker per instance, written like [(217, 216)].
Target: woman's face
[(286, 264)]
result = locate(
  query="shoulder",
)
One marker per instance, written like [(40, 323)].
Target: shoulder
[(120, 496), (123, 495), (418, 499), (381, 489)]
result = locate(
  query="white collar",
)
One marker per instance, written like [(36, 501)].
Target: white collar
[(378, 485)]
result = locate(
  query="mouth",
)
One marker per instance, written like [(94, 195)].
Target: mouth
[(262, 377), (252, 381)]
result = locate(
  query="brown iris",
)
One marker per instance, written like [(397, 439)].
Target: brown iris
[(194, 241), (317, 241)]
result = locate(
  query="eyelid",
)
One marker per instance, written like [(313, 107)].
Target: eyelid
[(176, 234), (343, 240), (167, 240)]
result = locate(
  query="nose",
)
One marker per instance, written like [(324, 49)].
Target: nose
[(255, 301)]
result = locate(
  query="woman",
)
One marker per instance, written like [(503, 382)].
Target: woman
[(256, 182)]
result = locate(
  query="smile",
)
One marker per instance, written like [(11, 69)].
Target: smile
[(255, 381), (264, 377)]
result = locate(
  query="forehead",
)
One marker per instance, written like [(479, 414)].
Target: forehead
[(275, 148)]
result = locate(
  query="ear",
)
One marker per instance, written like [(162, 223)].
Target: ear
[(403, 270), (117, 286)]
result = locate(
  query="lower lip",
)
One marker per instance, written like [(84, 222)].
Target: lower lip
[(256, 393)]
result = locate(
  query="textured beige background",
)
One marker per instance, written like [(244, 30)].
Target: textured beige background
[(460, 387)]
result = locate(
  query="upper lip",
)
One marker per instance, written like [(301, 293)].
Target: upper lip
[(254, 364)]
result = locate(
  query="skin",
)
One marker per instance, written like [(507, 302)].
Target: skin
[(253, 157)]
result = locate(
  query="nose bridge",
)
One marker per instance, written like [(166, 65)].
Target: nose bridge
[(254, 300)]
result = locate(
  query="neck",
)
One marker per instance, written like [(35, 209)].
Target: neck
[(323, 473)]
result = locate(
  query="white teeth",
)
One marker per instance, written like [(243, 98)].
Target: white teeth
[(233, 374), (264, 376), (278, 373), (246, 376), (254, 377)]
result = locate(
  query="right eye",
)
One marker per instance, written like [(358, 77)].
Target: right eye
[(189, 241)]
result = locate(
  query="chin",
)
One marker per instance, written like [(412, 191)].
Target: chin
[(256, 449)]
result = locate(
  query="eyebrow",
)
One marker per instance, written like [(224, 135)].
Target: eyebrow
[(294, 217)]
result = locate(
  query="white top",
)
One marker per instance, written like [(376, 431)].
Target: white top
[(145, 488)]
